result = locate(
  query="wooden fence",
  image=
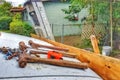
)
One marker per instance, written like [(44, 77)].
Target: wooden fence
[(85, 32), (97, 29)]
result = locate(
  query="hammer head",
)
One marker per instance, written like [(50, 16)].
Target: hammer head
[(4, 50), (23, 60), (30, 42), (22, 46), (22, 63)]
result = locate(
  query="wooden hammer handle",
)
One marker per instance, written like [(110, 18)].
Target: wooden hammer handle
[(63, 63), (24, 59), (36, 45), (65, 54), (56, 48)]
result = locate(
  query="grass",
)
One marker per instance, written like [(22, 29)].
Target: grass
[(115, 53), (8, 31)]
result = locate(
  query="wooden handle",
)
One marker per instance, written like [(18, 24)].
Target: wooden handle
[(63, 63), (35, 45), (25, 58), (65, 54)]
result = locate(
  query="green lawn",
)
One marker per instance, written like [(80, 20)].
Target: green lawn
[(8, 31)]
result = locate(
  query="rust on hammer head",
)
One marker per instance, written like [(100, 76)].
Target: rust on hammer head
[(4, 50), (30, 42), (22, 46), (33, 45)]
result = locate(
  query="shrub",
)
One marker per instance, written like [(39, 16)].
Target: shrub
[(20, 27), (4, 22), (86, 43)]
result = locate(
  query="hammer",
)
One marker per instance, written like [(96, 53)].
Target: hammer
[(23, 47), (65, 54), (25, 58), (35, 45)]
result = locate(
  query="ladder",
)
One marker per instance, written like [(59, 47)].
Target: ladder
[(39, 19)]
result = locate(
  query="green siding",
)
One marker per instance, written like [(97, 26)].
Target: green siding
[(56, 16)]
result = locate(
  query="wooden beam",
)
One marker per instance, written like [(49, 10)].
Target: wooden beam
[(94, 42)]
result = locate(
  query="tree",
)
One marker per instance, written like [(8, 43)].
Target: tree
[(96, 8), (5, 15), (4, 22), (18, 26), (5, 9), (72, 12), (75, 8)]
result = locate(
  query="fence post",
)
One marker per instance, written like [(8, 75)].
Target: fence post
[(111, 24), (52, 28), (62, 34)]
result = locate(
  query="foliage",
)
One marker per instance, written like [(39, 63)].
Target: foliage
[(80, 3), (85, 43), (4, 22), (115, 53), (5, 9), (5, 15), (17, 17), (72, 9), (116, 12), (63, 0), (96, 8), (20, 27), (71, 12), (100, 8)]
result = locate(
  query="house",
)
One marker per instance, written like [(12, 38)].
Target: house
[(15, 10), (35, 14), (52, 16)]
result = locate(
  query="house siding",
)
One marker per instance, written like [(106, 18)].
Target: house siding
[(56, 18)]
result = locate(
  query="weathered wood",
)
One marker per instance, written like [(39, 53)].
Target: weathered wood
[(94, 42), (63, 63), (25, 58), (106, 67), (65, 54), (36, 45)]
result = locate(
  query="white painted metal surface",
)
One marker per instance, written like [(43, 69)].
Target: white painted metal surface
[(9, 69)]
